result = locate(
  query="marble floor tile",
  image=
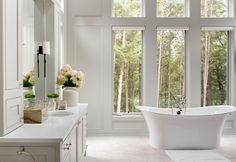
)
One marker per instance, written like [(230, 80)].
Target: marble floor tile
[(137, 149)]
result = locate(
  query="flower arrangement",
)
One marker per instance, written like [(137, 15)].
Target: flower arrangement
[(29, 79), (70, 78)]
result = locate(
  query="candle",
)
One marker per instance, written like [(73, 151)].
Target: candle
[(46, 48)]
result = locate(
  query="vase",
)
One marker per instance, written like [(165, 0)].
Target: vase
[(71, 96)]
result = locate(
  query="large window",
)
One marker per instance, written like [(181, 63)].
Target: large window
[(177, 54), (127, 8), (127, 69), (214, 67), (215, 8), (170, 66), (171, 8)]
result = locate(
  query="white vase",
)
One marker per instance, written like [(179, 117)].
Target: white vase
[(71, 96)]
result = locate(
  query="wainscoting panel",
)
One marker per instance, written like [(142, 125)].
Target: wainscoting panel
[(88, 57)]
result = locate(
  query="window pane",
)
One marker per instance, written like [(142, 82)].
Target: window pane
[(214, 67), (170, 8), (170, 65), (214, 8), (127, 70), (127, 8)]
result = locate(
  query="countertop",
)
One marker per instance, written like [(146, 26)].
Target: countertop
[(54, 129)]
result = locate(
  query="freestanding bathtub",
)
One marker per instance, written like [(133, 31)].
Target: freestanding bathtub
[(199, 128)]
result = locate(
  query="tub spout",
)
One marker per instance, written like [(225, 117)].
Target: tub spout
[(181, 104)]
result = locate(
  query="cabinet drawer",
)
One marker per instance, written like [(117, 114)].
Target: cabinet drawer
[(27, 154)]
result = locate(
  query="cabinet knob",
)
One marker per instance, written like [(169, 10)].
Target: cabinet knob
[(66, 148)]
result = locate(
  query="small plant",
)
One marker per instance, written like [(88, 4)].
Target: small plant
[(29, 95), (53, 95)]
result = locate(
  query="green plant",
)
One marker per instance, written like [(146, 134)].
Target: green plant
[(53, 95), (29, 95)]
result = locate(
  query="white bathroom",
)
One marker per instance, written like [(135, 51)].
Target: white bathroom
[(117, 81)]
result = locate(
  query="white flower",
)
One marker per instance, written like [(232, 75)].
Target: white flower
[(71, 73), (65, 69), (32, 80), (61, 79)]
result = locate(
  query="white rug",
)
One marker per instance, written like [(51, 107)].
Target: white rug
[(196, 156)]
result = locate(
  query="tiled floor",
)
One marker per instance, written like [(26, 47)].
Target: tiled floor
[(137, 149)]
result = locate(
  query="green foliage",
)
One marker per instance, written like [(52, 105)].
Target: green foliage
[(53, 95), (127, 8), (167, 8), (26, 83), (127, 51), (29, 95), (214, 8), (217, 79)]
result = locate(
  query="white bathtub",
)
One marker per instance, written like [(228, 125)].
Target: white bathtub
[(199, 128)]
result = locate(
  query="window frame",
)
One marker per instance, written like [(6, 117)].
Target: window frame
[(192, 56), (143, 11), (127, 28), (185, 30), (229, 66), (186, 11)]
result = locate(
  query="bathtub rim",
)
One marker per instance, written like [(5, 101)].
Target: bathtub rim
[(229, 112)]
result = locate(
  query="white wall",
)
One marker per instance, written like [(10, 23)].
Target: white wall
[(89, 48)]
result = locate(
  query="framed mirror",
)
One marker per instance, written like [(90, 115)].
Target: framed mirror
[(41, 27)]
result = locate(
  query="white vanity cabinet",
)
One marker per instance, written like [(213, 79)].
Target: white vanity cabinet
[(10, 67), (59, 139)]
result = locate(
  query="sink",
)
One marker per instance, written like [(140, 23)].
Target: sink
[(60, 113)]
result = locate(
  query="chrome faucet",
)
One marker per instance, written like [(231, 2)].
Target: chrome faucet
[(181, 104)]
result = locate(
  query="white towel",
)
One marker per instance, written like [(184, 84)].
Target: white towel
[(196, 156)]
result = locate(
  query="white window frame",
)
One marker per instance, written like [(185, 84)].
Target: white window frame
[(185, 29), (229, 30), (127, 28)]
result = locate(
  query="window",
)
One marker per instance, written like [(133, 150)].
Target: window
[(171, 8), (127, 8), (214, 67), (170, 66), (215, 8), (127, 69)]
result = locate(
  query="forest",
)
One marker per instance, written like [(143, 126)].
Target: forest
[(171, 57)]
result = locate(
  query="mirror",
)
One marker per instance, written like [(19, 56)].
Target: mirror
[(40, 68), (28, 46)]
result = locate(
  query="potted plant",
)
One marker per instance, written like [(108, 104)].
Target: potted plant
[(29, 101), (71, 80), (53, 101)]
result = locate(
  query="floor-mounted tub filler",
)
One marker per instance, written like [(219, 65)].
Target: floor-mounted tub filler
[(197, 128)]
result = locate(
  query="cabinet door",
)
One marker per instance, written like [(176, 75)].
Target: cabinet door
[(73, 145), (30, 154), (80, 140), (11, 115)]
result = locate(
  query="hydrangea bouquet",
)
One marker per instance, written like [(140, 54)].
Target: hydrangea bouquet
[(29, 79), (70, 78)]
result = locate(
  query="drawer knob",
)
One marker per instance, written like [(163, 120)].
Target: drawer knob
[(66, 148)]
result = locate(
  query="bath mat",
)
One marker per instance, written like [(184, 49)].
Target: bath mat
[(196, 156)]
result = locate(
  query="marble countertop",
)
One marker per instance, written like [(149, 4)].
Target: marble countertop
[(54, 129)]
